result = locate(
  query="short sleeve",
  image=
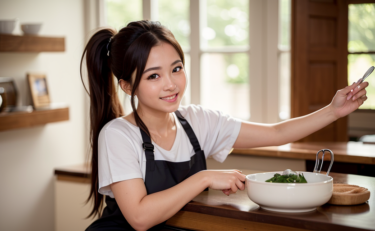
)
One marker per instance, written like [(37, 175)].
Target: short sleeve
[(117, 159), (217, 131)]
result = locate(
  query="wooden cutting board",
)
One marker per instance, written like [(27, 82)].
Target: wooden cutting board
[(346, 194)]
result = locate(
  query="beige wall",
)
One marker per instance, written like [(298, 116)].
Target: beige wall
[(266, 164), (28, 156)]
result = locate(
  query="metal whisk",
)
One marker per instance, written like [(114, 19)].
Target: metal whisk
[(317, 161)]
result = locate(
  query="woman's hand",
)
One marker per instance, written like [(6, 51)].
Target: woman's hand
[(348, 99), (229, 181)]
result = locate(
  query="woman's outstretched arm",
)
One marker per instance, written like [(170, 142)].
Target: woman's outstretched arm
[(144, 211), (344, 102)]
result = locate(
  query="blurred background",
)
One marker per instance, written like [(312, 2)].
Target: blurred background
[(238, 60)]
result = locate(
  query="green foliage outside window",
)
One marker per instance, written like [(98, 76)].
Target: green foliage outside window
[(175, 16), (227, 23), (361, 27), (361, 39), (237, 68), (228, 19), (119, 12)]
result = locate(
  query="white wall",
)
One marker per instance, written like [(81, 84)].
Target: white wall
[(28, 156)]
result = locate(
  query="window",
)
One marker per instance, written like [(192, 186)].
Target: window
[(224, 49), (175, 16), (119, 13), (361, 47), (217, 38)]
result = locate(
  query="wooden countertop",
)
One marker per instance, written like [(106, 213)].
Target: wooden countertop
[(238, 207), (348, 152), (212, 210)]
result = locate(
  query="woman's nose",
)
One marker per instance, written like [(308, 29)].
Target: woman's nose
[(169, 84)]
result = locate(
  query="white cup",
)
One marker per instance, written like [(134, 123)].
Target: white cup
[(31, 28), (7, 26)]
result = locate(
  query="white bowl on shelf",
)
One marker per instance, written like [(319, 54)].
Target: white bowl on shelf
[(289, 197), (31, 28), (7, 26)]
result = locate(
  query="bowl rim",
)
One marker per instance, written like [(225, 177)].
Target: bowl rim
[(288, 184)]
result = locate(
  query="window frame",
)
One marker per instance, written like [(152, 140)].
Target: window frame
[(360, 52), (358, 124), (263, 52)]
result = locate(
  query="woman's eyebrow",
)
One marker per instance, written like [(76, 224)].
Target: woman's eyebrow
[(177, 61), (152, 68), (157, 68)]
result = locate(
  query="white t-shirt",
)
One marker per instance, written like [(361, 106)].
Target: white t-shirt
[(121, 156)]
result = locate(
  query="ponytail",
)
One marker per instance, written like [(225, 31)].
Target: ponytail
[(104, 102)]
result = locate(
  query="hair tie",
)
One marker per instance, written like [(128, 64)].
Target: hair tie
[(110, 39)]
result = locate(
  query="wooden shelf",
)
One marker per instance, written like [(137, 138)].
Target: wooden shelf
[(16, 120), (29, 43)]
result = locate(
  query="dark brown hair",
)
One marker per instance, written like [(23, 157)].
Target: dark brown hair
[(107, 55)]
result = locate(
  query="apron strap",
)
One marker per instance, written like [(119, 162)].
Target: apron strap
[(189, 131), (148, 147)]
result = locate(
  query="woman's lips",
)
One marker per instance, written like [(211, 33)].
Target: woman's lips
[(171, 98)]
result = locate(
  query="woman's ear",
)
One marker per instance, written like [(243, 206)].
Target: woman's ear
[(125, 86)]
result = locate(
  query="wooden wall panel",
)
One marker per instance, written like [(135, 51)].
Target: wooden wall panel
[(322, 32), (322, 9), (321, 83), (319, 60), (327, 133)]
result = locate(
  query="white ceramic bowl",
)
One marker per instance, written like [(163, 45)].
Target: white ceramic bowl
[(292, 198), (31, 29), (7, 26)]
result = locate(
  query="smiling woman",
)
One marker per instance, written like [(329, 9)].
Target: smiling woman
[(152, 162), (163, 80), (149, 163)]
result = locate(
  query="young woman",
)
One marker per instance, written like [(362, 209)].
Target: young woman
[(152, 162)]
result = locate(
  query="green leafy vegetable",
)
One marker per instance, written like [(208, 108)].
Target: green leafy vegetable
[(291, 178)]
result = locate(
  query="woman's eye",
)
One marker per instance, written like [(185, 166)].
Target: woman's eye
[(177, 69), (153, 76)]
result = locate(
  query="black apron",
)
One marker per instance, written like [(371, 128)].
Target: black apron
[(160, 175)]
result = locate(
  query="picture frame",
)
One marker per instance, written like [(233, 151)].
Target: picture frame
[(38, 89), (9, 93)]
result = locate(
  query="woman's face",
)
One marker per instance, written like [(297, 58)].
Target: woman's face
[(163, 81)]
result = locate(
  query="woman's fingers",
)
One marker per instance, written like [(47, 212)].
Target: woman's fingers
[(236, 183), (359, 94), (240, 181), (348, 90), (228, 181), (226, 191), (233, 185), (240, 185), (355, 88), (362, 99), (242, 177)]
